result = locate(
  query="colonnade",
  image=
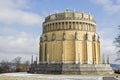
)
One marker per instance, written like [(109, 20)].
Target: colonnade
[(83, 26)]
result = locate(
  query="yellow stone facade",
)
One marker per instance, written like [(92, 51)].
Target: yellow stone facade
[(69, 37)]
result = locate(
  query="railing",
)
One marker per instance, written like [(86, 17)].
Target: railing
[(69, 18)]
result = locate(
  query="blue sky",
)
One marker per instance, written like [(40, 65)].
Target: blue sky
[(21, 20)]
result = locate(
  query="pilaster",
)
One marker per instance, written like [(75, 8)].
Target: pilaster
[(96, 52), (63, 54), (76, 53)]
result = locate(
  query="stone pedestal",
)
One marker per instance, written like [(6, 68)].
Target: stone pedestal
[(71, 69)]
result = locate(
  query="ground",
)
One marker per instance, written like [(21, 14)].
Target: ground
[(26, 76)]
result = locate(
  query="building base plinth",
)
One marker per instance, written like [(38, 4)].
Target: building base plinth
[(71, 69)]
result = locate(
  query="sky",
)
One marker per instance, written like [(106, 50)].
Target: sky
[(21, 22)]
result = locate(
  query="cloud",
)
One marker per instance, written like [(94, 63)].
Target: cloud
[(13, 42), (11, 12), (107, 36), (8, 16), (20, 44), (14, 4), (111, 6), (108, 49)]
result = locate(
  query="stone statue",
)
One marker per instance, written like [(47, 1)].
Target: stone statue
[(32, 59), (53, 36), (94, 37), (40, 39), (76, 36), (64, 36), (36, 59), (103, 60), (86, 36), (45, 38), (98, 39), (107, 59)]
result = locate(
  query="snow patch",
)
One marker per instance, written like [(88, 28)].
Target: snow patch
[(17, 74)]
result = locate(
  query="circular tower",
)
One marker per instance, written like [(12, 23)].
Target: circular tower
[(69, 37), (69, 44)]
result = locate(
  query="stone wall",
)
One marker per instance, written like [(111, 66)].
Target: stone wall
[(71, 69), (70, 46)]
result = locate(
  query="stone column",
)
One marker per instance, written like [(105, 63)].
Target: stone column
[(87, 27), (68, 25), (51, 26), (75, 25), (54, 26), (71, 25), (64, 25), (81, 26), (60, 26)]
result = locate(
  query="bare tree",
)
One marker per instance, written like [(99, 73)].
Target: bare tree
[(17, 61), (14, 66), (4, 66), (26, 64), (117, 43)]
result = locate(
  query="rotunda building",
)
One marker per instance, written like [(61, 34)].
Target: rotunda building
[(69, 44), (69, 37)]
